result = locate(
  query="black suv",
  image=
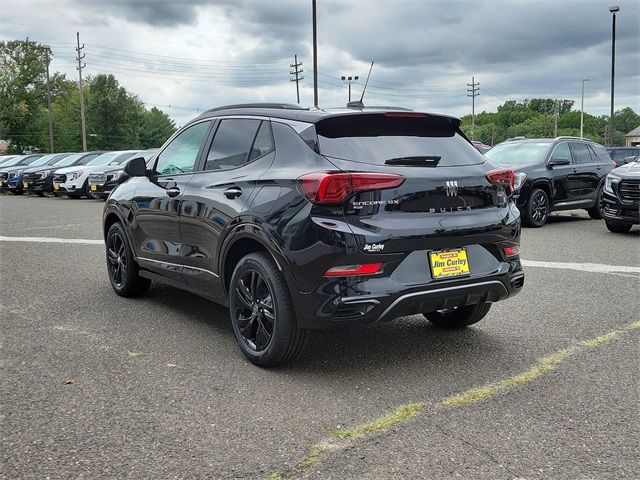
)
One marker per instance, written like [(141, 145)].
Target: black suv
[(299, 219), (621, 197), (620, 154), (564, 173)]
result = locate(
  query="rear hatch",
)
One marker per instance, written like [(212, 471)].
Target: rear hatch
[(445, 201)]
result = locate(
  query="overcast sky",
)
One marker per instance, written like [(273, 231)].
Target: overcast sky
[(189, 55)]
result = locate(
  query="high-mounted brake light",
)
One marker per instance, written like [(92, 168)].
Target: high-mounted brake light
[(353, 270), (511, 251), (335, 188), (502, 176), (405, 114)]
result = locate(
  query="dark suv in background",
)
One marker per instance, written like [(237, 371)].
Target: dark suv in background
[(620, 154), (300, 219), (564, 173)]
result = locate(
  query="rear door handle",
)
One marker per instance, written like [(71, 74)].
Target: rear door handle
[(173, 192), (233, 192)]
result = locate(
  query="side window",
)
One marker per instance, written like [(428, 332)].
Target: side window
[(181, 154), (263, 144), (88, 158), (562, 151), (581, 153), (232, 143)]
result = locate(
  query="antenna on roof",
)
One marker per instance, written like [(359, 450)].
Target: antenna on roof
[(358, 103)]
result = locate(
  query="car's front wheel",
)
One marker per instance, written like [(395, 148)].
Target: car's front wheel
[(122, 267), (536, 211), (618, 227), (459, 317), (262, 314)]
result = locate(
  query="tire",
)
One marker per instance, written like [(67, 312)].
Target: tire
[(537, 209), (459, 317), (618, 227), (121, 266), (262, 313), (39, 193), (595, 212)]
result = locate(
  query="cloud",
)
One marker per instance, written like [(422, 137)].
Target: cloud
[(203, 53)]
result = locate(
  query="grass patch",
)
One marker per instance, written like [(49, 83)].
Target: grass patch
[(633, 325), (542, 366), (307, 461), (594, 342), (402, 413)]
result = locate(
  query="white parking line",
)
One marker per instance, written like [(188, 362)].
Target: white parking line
[(51, 240), (584, 267)]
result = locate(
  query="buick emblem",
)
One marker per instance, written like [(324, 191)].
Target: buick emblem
[(451, 187)]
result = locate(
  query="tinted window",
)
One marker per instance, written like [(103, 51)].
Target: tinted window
[(581, 153), (181, 154), (375, 138), (562, 151), (87, 159), (263, 143), (231, 145), (515, 154)]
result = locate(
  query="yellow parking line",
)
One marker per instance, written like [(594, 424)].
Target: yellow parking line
[(405, 412)]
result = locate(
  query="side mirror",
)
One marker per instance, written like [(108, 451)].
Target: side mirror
[(136, 167), (630, 159), (559, 161)]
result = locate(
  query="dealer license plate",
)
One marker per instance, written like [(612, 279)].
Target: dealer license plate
[(449, 263)]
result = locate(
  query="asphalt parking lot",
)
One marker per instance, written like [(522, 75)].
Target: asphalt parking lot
[(97, 386)]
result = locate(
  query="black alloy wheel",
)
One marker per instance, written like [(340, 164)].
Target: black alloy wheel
[(121, 265), (255, 313), (116, 259), (262, 314), (537, 209)]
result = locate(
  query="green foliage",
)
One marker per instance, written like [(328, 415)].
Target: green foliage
[(535, 118), (157, 127), (115, 118), (22, 94)]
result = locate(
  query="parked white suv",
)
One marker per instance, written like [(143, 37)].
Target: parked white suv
[(72, 181)]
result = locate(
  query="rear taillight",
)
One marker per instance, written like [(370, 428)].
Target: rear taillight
[(352, 270), (511, 251), (335, 188), (502, 176)]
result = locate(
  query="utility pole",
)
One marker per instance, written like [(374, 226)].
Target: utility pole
[(582, 109), (80, 66), (315, 53), (47, 53), (555, 118), (349, 80), (473, 92), (297, 73), (613, 9)]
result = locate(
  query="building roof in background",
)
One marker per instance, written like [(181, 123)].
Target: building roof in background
[(634, 133)]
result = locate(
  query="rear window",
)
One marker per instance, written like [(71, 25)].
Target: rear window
[(377, 138)]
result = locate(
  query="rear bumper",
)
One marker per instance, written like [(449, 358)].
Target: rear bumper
[(615, 211), (337, 303)]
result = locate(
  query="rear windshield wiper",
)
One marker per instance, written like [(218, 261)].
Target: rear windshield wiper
[(422, 161)]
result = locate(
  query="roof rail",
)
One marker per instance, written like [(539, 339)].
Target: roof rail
[(574, 138), (281, 106)]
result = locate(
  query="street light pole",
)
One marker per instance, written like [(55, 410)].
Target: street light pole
[(582, 109), (47, 53), (315, 53), (613, 9), (349, 81)]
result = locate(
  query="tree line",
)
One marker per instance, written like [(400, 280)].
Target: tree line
[(115, 118), (536, 118)]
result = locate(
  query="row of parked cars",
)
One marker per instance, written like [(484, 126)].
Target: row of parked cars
[(84, 174)]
